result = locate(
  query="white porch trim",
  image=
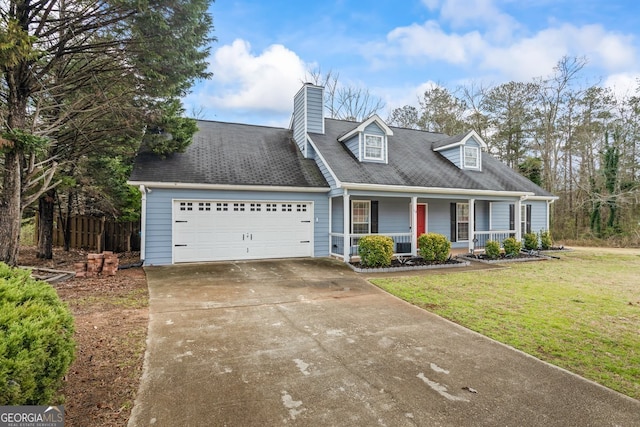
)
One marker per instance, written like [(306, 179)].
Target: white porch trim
[(346, 244), (414, 228)]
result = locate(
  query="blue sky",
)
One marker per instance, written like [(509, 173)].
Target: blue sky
[(396, 49)]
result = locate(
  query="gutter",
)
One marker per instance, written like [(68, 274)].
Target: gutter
[(228, 187), (436, 190)]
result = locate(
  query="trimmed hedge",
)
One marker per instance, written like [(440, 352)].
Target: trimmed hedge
[(434, 247), (545, 240), (511, 246), (36, 339), (530, 241), (492, 249), (375, 251)]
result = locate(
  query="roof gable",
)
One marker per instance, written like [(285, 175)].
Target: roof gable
[(458, 140), (414, 163), (362, 126)]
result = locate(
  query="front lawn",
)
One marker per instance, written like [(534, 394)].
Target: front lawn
[(581, 312)]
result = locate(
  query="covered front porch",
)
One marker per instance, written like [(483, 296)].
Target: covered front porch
[(468, 221)]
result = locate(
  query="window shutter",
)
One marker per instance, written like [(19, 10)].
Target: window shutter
[(528, 219), (374, 216), (454, 237), (512, 217)]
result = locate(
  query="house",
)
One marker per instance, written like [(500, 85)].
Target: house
[(314, 189)]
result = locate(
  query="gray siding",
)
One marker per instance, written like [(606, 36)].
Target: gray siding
[(158, 237), (482, 215), (337, 219), (394, 215), (299, 122), (353, 144), (538, 215), (471, 142), (315, 116), (453, 155), (374, 129), (500, 215), (322, 166), (308, 115)]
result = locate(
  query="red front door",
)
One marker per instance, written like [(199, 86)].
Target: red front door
[(421, 225)]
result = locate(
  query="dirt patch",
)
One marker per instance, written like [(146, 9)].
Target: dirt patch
[(111, 318)]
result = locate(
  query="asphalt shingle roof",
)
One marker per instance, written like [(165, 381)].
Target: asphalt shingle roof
[(239, 154), (234, 154), (412, 162)]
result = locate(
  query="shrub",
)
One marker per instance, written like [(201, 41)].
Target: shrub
[(531, 241), (376, 251), (434, 247), (545, 239), (492, 249), (511, 246), (36, 344)]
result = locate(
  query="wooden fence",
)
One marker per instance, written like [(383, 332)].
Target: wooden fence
[(99, 234)]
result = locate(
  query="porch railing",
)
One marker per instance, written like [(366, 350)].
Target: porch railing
[(482, 237), (401, 243)]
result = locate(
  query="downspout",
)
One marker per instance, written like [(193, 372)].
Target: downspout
[(143, 223)]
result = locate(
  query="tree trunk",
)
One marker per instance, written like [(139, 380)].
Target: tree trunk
[(67, 222), (46, 210), (10, 209)]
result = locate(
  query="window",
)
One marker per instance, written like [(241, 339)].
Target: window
[(373, 147), (462, 221), (360, 216), (471, 157)]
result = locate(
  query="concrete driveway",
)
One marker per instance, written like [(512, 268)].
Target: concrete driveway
[(309, 342)]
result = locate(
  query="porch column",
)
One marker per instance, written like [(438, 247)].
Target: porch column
[(472, 224), (547, 220), (330, 225), (346, 244), (414, 226), (517, 220)]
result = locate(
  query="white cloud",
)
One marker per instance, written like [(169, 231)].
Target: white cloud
[(623, 84), (430, 41), (537, 55), (244, 80), (519, 58), (476, 14)]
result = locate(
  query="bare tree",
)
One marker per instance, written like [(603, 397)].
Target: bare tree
[(345, 102)]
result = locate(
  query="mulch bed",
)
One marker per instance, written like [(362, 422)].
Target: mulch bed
[(410, 263), (111, 318)]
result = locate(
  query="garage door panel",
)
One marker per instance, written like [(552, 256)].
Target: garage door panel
[(229, 230)]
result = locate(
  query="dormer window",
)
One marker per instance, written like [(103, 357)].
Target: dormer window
[(373, 147), (464, 150), (369, 141), (471, 157)]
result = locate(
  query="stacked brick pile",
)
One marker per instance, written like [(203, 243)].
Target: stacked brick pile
[(105, 263), (110, 264)]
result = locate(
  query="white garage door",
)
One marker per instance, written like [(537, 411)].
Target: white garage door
[(234, 230)]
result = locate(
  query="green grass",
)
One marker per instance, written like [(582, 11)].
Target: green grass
[(581, 312)]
